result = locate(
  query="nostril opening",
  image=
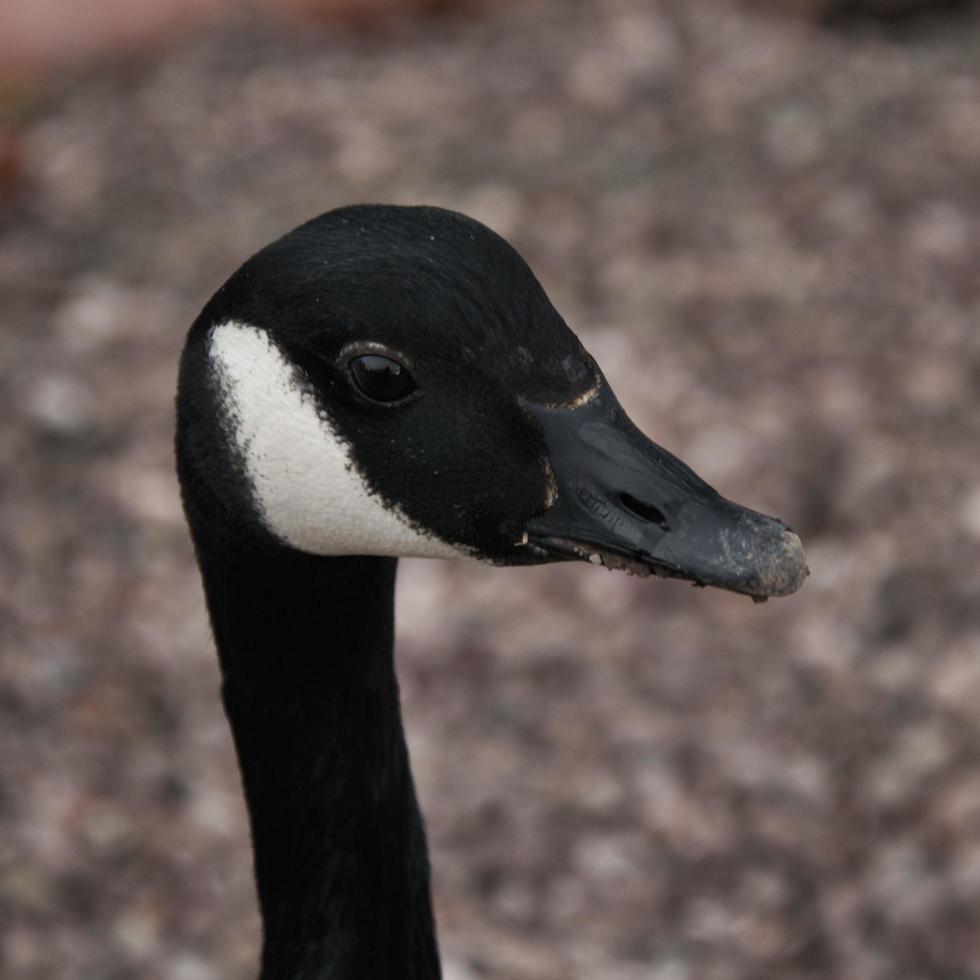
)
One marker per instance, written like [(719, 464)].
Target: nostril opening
[(646, 512)]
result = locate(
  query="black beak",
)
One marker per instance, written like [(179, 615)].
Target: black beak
[(624, 502)]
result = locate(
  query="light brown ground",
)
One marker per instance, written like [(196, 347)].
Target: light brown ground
[(768, 236)]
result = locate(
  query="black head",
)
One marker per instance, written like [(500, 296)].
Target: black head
[(392, 380)]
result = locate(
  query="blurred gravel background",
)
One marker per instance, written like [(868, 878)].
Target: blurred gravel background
[(768, 233)]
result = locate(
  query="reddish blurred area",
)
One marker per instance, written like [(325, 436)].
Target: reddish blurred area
[(39, 35)]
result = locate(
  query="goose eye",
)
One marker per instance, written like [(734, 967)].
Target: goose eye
[(380, 378)]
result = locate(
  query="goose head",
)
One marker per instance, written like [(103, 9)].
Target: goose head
[(394, 381)]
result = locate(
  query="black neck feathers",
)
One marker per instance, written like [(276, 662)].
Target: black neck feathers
[(309, 686)]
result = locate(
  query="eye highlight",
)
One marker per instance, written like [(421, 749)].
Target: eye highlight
[(381, 378)]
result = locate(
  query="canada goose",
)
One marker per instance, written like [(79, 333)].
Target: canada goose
[(389, 381)]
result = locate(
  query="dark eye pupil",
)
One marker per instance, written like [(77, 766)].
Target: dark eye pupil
[(381, 378)]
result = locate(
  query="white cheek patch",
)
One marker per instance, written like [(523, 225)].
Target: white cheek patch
[(307, 489)]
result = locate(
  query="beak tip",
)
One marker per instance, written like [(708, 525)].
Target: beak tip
[(797, 568), (783, 569)]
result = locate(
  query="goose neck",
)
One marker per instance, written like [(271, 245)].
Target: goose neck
[(309, 687)]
